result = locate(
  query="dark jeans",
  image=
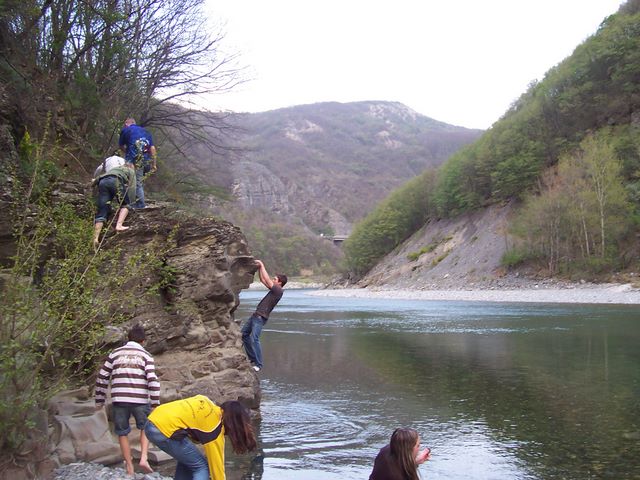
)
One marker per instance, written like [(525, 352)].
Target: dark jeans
[(192, 464), (108, 188), (251, 331)]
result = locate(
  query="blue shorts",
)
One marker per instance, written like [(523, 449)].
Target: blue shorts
[(123, 411)]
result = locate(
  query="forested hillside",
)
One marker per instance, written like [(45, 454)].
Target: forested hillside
[(568, 149)]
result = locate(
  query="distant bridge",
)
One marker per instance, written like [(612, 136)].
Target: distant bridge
[(338, 239)]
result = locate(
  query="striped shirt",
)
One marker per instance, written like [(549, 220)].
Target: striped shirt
[(132, 374)]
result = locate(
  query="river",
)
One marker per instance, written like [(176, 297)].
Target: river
[(497, 390)]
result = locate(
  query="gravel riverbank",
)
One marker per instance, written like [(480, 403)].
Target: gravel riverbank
[(95, 471), (534, 293)]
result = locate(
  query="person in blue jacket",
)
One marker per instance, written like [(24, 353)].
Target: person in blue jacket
[(137, 145)]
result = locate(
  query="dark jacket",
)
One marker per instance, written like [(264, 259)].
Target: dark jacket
[(385, 467)]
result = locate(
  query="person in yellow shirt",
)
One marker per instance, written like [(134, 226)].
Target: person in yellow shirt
[(174, 426)]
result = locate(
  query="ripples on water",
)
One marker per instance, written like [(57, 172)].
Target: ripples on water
[(498, 391), (302, 433)]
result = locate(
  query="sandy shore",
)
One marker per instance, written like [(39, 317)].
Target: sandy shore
[(607, 294)]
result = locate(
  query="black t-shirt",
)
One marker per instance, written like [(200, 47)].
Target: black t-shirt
[(269, 301)]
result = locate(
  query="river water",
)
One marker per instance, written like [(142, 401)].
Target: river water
[(497, 390)]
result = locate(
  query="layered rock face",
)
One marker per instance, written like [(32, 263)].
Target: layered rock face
[(255, 186), (192, 332)]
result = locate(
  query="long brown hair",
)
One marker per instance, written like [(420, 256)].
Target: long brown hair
[(237, 425), (403, 441)]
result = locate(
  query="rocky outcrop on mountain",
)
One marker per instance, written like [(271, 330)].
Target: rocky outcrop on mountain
[(261, 189), (338, 160), (256, 187)]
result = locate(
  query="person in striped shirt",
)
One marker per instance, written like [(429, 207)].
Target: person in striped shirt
[(135, 390)]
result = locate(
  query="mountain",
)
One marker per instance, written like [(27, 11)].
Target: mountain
[(326, 165)]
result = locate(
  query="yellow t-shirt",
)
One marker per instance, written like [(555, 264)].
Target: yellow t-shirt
[(201, 420)]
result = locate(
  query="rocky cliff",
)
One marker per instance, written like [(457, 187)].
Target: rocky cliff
[(337, 160), (193, 334)]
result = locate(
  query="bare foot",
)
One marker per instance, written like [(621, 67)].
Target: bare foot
[(129, 468), (121, 228), (146, 468)]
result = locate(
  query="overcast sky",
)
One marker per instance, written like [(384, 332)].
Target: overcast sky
[(458, 61)]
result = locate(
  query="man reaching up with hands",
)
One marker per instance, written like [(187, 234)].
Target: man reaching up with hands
[(253, 326)]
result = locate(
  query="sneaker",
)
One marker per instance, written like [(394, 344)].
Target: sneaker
[(256, 368)]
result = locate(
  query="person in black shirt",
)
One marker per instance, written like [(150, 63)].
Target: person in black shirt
[(253, 326)]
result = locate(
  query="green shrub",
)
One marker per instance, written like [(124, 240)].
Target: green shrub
[(437, 260), (413, 256), (514, 257), (428, 249)]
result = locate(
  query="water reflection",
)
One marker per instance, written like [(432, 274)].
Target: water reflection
[(256, 468), (499, 391)]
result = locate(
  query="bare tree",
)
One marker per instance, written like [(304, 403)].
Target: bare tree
[(583, 212), (603, 173), (104, 60)]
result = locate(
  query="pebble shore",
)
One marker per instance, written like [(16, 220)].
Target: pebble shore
[(95, 471), (534, 293)]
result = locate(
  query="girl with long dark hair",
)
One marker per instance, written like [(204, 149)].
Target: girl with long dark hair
[(400, 459), (173, 427)]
